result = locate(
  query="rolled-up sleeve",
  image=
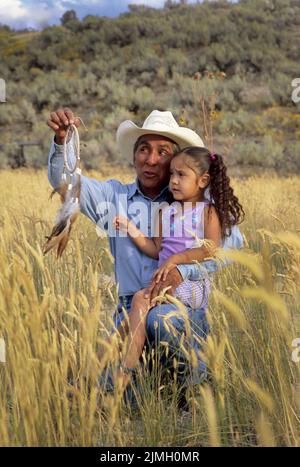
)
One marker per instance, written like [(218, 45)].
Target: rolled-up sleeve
[(56, 162), (195, 272)]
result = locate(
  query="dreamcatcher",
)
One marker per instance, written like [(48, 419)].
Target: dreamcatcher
[(69, 191)]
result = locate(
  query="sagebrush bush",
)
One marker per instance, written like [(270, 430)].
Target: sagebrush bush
[(267, 153)]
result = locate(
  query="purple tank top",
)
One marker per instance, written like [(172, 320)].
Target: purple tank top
[(182, 228)]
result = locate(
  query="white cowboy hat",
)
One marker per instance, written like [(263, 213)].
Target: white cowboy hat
[(157, 123)]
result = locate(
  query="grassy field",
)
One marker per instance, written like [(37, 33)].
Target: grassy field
[(53, 314)]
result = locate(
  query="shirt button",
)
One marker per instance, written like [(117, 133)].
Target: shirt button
[(145, 267)]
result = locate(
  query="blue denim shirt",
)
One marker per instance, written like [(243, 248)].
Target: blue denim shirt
[(101, 201)]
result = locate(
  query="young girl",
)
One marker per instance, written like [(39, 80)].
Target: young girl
[(182, 228)]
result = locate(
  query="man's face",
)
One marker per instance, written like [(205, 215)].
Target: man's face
[(152, 163)]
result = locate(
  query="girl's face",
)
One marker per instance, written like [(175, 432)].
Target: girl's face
[(185, 183)]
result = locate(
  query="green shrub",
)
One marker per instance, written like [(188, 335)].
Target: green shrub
[(291, 160), (233, 122), (266, 153)]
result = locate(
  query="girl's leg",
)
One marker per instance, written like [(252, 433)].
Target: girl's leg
[(136, 338), (137, 329)]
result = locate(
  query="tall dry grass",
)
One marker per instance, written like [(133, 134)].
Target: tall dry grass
[(54, 313)]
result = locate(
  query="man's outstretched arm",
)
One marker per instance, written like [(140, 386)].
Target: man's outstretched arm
[(94, 194), (59, 122)]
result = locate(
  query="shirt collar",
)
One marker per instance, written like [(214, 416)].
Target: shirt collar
[(135, 187)]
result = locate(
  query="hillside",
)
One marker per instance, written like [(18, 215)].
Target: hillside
[(244, 55)]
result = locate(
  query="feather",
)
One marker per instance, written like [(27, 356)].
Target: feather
[(65, 218)]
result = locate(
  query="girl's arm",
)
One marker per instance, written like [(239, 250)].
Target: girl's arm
[(212, 234), (149, 246)]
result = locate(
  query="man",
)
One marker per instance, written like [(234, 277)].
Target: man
[(151, 149)]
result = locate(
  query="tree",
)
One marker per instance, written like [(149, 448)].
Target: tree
[(69, 15)]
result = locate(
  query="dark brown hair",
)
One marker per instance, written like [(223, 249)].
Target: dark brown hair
[(230, 211)]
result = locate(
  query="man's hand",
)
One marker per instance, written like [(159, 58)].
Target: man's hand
[(162, 273), (59, 122), (173, 279)]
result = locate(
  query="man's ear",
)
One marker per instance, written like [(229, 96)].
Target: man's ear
[(204, 180)]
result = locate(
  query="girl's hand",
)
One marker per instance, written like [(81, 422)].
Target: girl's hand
[(161, 273), (121, 223), (124, 225)]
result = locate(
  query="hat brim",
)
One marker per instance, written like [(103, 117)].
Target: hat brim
[(128, 133)]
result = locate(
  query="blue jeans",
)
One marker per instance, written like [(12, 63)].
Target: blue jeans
[(160, 328)]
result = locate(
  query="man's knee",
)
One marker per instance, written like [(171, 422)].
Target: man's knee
[(159, 326)]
